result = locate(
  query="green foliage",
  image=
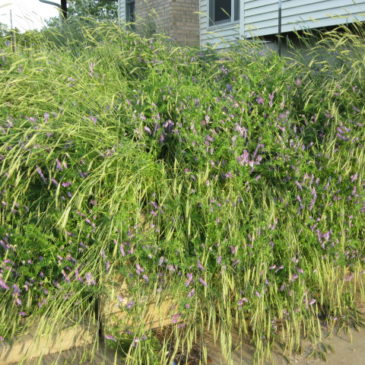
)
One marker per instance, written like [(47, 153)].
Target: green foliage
[(229, 181), (80, 10), (99, 9)]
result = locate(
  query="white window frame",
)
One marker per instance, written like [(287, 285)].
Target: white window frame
[(234, 18)]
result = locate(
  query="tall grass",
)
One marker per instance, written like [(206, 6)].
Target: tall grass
[(231, 182)]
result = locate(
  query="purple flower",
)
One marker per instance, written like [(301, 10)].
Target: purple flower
[(175, 317), (89, 279), (40, 173), (241, 130), (3, 284), (66, 184), (88, 221), (59, 165), (312, 301), (190, 278), (139, 269), (284, 115), (219, 260), (241, 301), (244, 158), (130, 304), (93, 119), (136, 340), (233, 249), (148, 130), (260, 100), (70, 258), (154, 204), (200, 266), (224, 70), (313, 201), (354, 177), (191, 293), (121, 249), (168, 125), (203, 282), (77, 275), (110, 337), (65, 276), (298, 185), (294, 277)]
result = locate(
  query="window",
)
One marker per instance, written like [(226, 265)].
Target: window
[(223, 11), (129, 11)]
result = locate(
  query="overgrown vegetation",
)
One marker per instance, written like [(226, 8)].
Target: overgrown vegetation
[(231, 182)]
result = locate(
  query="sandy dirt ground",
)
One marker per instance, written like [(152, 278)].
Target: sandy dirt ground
[(348, 350)]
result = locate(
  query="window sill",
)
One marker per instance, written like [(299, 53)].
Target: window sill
[(223, 25)]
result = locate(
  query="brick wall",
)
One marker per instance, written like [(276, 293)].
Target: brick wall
[(175, 18), (185, 21)]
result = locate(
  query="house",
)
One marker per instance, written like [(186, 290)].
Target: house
[(220, 22), (178, 19)]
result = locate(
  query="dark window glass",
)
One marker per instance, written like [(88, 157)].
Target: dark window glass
[(222, 10), (130, 15), (236, 9)]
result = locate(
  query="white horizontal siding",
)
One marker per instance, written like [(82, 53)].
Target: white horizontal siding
[(219, 36), (260, 17)]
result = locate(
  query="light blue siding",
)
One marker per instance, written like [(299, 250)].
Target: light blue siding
[(121, 11), (260, 17), (219, 36)]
